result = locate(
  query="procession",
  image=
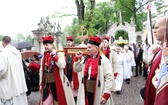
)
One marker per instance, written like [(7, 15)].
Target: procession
[(88, 63)]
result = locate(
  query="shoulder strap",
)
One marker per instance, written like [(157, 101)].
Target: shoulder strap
[(85, 58), (100, 60)]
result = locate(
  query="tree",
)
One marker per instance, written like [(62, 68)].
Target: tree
[(132, 8), (99, 22), (102, 18), (81, 9), (72, 30), (97, 18), (20, 37), (29, 38), (1, 36), (159, 3)]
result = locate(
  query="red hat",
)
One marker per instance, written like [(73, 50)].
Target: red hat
[(106, 37), (69, 38), (47, 39), (94, 40)]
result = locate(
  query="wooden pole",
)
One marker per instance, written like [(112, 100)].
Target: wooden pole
[(150, 22)]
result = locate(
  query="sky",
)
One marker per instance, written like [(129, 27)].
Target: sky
[(22, 16)]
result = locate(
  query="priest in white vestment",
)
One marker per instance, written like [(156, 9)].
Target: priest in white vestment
[(120, 67), (128, 63), (12, 80)]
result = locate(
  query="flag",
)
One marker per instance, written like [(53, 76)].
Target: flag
[(149, 37)]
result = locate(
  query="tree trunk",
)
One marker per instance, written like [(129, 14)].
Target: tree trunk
[(92, 2), (80, 10)]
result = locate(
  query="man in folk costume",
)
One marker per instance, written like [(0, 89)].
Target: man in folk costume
[(71, 75), (120, 66), (12, 79), (95, 87), (54, 85), (128, 63), (156, 88), (111, 55)]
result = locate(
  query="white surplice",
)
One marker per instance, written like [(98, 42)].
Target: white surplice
[(120, 68), (12, 79), (128, 63)]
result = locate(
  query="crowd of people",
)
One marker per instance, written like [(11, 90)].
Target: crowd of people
[(80, 79)]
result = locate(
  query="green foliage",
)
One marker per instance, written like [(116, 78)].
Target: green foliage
[(1, 36), (72, 31), (99, 21), (126, 12), (20, 37), (124, 34), (159, 3), (29, 38), (95, 23), (135, 9), (140, 19)]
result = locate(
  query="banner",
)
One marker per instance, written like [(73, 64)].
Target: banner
[(149, 35)]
